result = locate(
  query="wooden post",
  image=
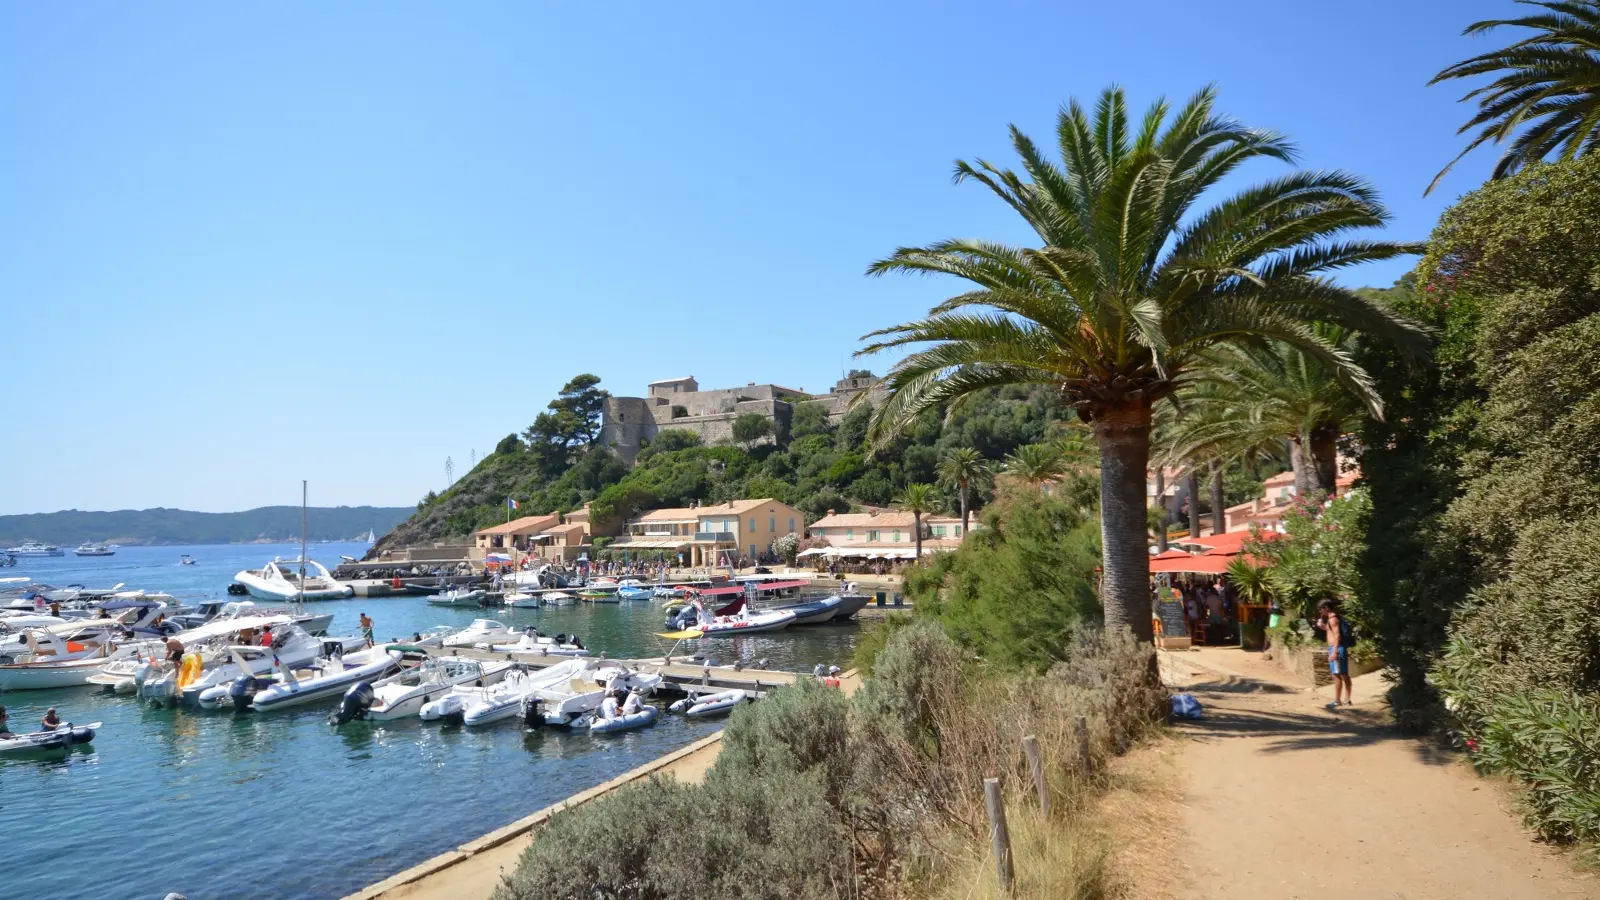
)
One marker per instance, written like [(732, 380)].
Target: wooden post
[(1030, 749), (999, 836), (1083, 744)]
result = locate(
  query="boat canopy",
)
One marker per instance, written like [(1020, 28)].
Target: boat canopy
[(229, 626)]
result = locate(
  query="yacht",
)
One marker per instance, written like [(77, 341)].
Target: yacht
[(94, 550), (280, 580), (34, 548), (186, 560)]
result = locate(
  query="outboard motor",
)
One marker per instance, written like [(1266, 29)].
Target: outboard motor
[(81, 734), (532, 711), (238, 590), (242, 691), (357, 700)]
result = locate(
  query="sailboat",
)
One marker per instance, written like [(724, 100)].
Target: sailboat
[(371, 538)]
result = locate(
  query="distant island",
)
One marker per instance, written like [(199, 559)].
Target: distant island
[(268, 524)]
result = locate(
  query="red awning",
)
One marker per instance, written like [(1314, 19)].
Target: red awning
[(760, 586), (1204, 564), (1230, 543), (1171, 553)]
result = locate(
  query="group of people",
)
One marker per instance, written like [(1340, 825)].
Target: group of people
[(1210, 604), (50, 722), (620, 702)]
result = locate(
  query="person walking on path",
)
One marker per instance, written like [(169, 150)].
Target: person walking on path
[(1340, 639)]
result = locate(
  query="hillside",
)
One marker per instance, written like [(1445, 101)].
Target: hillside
[(817, 466), (71, 527)]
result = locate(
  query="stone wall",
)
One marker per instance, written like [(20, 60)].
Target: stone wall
[(625, 424)]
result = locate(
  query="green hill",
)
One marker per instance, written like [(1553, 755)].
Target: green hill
[(817, 465), (71, 527)]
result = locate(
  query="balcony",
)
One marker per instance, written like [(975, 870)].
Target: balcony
[(714, 537)]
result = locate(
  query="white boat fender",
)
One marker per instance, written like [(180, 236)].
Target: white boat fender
[(357, 701)]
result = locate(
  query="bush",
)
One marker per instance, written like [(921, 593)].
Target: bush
[(1549, 740), (755, 838), (1017, 591), (800, 730)]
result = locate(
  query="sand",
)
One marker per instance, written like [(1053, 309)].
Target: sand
[(1281, 798)]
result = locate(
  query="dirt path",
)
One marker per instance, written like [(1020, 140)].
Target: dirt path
[(1283, 799)]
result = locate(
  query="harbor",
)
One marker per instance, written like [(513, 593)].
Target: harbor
[(180, 771)]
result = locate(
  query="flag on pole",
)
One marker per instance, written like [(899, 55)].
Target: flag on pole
[(510, 503)]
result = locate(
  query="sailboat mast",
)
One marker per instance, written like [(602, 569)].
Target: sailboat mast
[(302, 540)]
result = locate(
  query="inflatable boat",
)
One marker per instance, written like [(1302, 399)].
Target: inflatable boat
[(639, 719)]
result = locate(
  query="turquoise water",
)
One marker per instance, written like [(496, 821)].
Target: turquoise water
[(215, 805)]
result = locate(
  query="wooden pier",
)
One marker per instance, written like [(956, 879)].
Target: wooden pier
[(679, 677)]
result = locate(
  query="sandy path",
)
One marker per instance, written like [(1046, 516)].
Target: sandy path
[(1283, 799)]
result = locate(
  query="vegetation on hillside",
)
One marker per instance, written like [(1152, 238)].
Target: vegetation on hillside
[(71, 527), (815, 467)]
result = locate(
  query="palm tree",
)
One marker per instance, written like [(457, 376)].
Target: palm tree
[(1036, 464), (959, 468), (1273, 391), (1130, 287), (1550, 79), (919, 499)]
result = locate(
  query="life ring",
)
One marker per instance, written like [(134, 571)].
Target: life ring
[(396, 583), (189, 670)]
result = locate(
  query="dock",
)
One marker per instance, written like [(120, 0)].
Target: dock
[(678, 677)]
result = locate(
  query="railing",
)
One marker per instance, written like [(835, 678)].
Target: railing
[(721, 537)]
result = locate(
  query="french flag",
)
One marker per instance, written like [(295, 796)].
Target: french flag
[(510, 503)]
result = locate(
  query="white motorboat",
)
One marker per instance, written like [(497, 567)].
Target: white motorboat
[(48, 672), (214, 657), (559, 598), (16, 620), (186, 560), (458, 596), (480, 705), (58, 738), (534, 642), (483, 633), (58, 643), (94, 550), (745, 622), (280, 580), (35, 548), (523, 600), (208, 611), (404, 694), (336, 674)]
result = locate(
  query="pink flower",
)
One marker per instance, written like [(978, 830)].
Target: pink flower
[(1472, 745)]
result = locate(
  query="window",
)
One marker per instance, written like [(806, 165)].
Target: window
[(752, 524), (791, 523), (897, 535), (772, 523), (958, 531), (872, 535), (938, 531), (849, 534)]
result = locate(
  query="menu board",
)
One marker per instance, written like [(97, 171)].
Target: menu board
[(1173, 622)]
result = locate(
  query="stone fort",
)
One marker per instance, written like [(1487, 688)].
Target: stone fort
[(627, 422)]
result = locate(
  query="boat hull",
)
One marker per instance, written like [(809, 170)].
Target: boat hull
[(328, 687), (48, 675), (640, 719)]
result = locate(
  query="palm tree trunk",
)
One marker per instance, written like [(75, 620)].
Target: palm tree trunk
[(916, 520), (1124, 438), (1219, 513), (1299, 461), (1161, 504), (963, 508), (1325, 459), (1193, 483)]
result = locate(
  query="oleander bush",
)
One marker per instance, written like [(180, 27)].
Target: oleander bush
[(1549, 741)]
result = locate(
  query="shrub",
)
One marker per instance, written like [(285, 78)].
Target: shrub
[(803, 729), (1018, 590), (748, 837), (1550, 740)]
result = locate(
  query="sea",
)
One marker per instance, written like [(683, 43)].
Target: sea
[(282, 805)]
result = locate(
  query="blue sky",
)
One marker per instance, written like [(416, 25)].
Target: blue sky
[(246, 244)]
